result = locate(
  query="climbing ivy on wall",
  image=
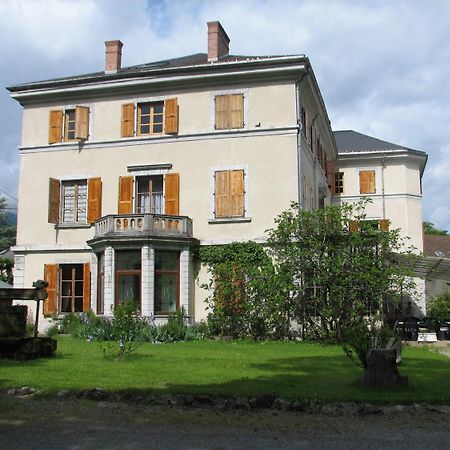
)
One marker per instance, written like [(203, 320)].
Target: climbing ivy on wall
[(243, 302)]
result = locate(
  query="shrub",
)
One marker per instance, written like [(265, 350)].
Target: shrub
[(364, 335), (127, 326), (439, 307)]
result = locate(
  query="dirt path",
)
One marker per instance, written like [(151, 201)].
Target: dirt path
[(75, 424)]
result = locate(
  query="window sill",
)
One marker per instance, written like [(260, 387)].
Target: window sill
[(72, 225), (230, 220)]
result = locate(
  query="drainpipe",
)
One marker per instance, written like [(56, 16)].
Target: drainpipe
[(300, 126), (383, 166)]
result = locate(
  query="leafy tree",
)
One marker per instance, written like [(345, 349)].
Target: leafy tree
[(439, 307), (430, 229), (334, 268), (6, 266), (7, 232)]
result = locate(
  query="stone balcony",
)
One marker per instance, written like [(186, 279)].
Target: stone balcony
[(143, 225)]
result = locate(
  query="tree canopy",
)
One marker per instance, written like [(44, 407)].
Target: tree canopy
[(430, 229)]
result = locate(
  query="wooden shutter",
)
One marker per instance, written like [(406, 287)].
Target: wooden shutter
[(222, 102), (55, 126), (384, 224), (53, 200), (94, 199), (126, 195), (172, 194), (82, 122), (331, 170), (367, 182), (353, 226), (86, 287), (236, 111), (171, 116), (236, 194), (51, 276), (127, 124), (221, 189)]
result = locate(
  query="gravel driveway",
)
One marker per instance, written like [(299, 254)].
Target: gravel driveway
[(80, 424)]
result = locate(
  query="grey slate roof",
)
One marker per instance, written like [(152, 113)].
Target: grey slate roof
[(197, 59), (436, 246), (349, 141)]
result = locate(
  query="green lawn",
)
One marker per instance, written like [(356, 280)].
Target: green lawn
[(286, 369)]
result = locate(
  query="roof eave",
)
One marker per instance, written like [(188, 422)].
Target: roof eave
[(125, 73)]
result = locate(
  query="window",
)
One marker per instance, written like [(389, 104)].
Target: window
[(339, 183), (367, 182), (68, 125), (167, 281), (229, 111), (75, 201), (152, 118), (152, 194), (71, 288), (128, 276), (68, 288), (229, 193), (149, 195)]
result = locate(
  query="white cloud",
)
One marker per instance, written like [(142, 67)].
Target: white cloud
[(383, 67)]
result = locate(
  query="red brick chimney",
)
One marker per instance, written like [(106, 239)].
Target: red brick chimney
[(113, 56), (218, 41)]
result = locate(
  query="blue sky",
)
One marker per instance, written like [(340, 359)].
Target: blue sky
[(383, 66)]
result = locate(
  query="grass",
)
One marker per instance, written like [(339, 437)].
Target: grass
[(286, 369)]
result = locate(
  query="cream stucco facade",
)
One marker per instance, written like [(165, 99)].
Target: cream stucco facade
[(98, 243)]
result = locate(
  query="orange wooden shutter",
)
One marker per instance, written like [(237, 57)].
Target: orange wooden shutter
[(331, 170), (222, 105), (53, 200), (171, 116), (236, 111), (221, 190), (55, 127), (372, 181), (384, 224), (353, 226), (172, 194), (86, 287), (81, 122), (236, 193), (51, 276), (367, 182), (126, 195), (94, 199), (127, 127)]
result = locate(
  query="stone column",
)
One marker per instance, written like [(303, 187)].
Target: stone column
[(94, 278), (148, 280), (108, 288), (185, 268)]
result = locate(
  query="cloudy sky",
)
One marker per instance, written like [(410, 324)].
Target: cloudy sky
[(383, 66)]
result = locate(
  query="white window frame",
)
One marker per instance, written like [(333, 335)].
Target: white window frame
[(76, 181)]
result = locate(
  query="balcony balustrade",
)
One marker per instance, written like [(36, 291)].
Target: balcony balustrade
[(143, 224)]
